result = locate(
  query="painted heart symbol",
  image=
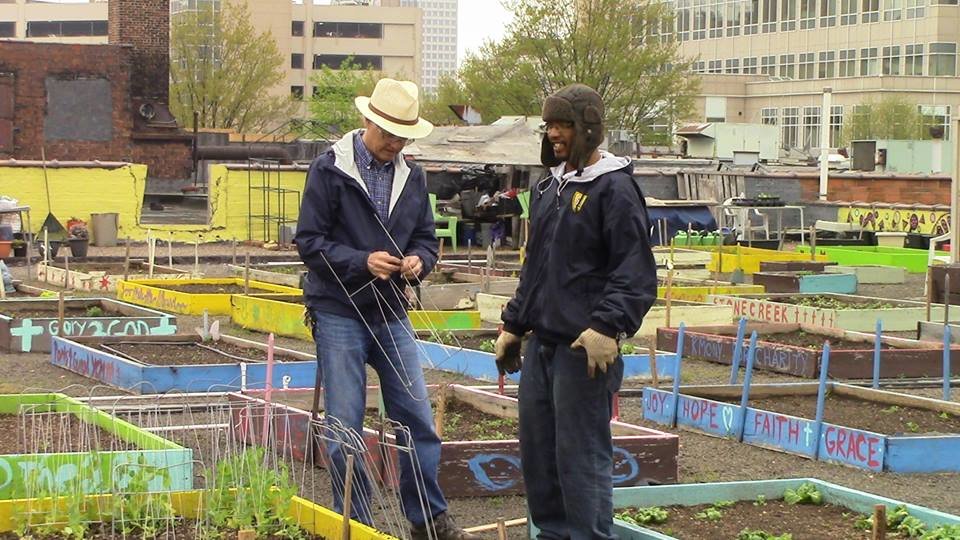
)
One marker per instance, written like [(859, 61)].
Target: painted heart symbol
[(726, 415)]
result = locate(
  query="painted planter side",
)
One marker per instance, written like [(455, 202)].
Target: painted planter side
[(871, 274), (787, 282), (151, 293), (763, 308), (34, 334), (487, 468), (99, 471), (933, 331), (76, 356), (750, 258), (102, 281), (265, 275), (938, 274), (717, 345), (913, 260), (795, 266), (696, 494)]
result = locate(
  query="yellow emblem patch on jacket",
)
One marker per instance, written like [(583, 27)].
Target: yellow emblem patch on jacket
[(576, 203)]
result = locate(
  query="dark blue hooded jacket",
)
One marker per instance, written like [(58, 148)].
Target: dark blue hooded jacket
[(589, 263), (339, 228)]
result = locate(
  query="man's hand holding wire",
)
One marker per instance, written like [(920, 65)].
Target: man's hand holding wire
[(382, 264), (411, 266)]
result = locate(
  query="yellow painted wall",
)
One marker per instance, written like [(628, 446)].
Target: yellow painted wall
[(897, 219), (81, 191)]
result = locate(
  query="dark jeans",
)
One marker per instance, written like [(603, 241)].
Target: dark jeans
[(565, 443), (344, 347)]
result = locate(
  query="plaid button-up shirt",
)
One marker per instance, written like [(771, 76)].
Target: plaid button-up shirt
[(377, 176)]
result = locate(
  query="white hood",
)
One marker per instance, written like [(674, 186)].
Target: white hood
[(608, 163), (344, 160)]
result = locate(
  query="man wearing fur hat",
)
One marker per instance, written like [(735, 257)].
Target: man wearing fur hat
[(366, 232), (588, 280)]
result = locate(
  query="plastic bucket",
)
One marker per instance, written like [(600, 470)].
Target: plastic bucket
[(105, 228)]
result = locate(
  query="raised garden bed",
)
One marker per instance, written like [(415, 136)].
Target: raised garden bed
[(842, 311), (933, 331), (749, 258), (927, 445), (795, 266), (938, 275), (804, 282), (760, 505), (913, 260), (193, 296), (158, 364), (67, 442), (871, 274), (278, 273), (101, 276), (283, 315), (27, 325), (471, 468), (795, 349)]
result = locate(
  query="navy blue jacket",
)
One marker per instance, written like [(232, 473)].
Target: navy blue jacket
[(338, 229), (589, 263)]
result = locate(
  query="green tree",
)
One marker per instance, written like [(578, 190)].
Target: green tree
[(614, 46), (222, 68), (331, 106), (892, 117)]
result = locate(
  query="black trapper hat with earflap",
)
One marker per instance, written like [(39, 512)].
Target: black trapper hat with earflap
[(583, 106)]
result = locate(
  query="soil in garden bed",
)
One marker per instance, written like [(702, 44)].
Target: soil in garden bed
[(207, 288), (827, 302), (54, 432), (862, 414), (48, 310), (477, 342), (179, 354), (815, 341), (803, 521)]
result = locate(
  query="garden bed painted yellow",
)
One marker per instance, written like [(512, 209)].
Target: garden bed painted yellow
[(156, 294)]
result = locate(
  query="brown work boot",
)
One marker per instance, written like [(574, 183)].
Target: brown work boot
[(445, 529)]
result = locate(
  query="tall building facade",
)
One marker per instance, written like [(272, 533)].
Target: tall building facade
[(768, 61), (439, 54), (55, 23)]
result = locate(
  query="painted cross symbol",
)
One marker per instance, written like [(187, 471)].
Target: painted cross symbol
[(164, 328), (104, 283), (26, 331), (807, 431)]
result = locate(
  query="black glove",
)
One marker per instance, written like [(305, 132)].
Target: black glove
[(507, 351)]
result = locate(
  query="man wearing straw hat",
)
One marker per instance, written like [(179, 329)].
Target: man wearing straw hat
[(365, 232)]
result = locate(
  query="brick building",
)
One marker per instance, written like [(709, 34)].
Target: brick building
[(82, 102)]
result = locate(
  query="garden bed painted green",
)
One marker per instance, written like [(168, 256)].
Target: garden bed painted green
[(913, 260)]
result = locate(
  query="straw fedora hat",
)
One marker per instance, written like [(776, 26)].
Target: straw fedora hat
[(395, 107)]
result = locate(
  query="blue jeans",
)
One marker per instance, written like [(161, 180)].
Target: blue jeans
[(344, 347), (565, 443)]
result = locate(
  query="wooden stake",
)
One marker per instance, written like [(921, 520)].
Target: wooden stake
[(946, 298), (653, 367), (247, 534), (150, 246), (441, 408), (126, 259), (170, 257), (929, 290), (60, 312), (234, 251), (347, 496), (813, 242), (669, 294), (501, 529), (46, 256), (66, 270), (879, 522), (246, 272), (493, 526)]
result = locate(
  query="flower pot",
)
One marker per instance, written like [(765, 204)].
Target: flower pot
[(20, 250), (5, 247), (78, 246)]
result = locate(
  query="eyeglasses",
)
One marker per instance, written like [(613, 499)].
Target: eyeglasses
[(394, 138)]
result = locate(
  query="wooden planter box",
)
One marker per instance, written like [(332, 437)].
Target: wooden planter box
[(103, 276), (903, 358), (700, 409), (98, 471), (871, 274), (152, 293), (713, 492), (750, 258), (33, 334), (913, 260), (932, 331), (902, 316), (483, 468), (795, 266), (267, 273), (791, 282), (938, 274), (83, 356)]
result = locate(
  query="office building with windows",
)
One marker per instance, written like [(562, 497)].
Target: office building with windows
[(768, 61), (56, 23), (439, 55)]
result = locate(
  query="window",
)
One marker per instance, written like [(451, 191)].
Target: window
[(848, 63), (871, 11), (943, 59), (716, 18), (892, 10), (8, 29), (769, 16), (806, 67), (848, 12), (936, 116), (334, 61), (788, 15), (808, 14), (768, 116), (66, 28), (714, 66), (733, 17), (751, 17), (348, 30), (811, 127), (828, 13), (750, 66), (790, 131), (296, 61), (788, 65), (868, 62), (836, 125), (943, 2), (296, 92), (915, 8), (768, 65), (699, 19), (891, 60), (825, 69), (296, 29), (913, 60), (732, 66), (699, 67), (683, 20)]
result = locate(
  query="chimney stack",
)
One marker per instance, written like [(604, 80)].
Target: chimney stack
[(145, 25)]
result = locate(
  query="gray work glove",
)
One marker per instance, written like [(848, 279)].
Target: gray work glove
[(601, 350), (507, 350)]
